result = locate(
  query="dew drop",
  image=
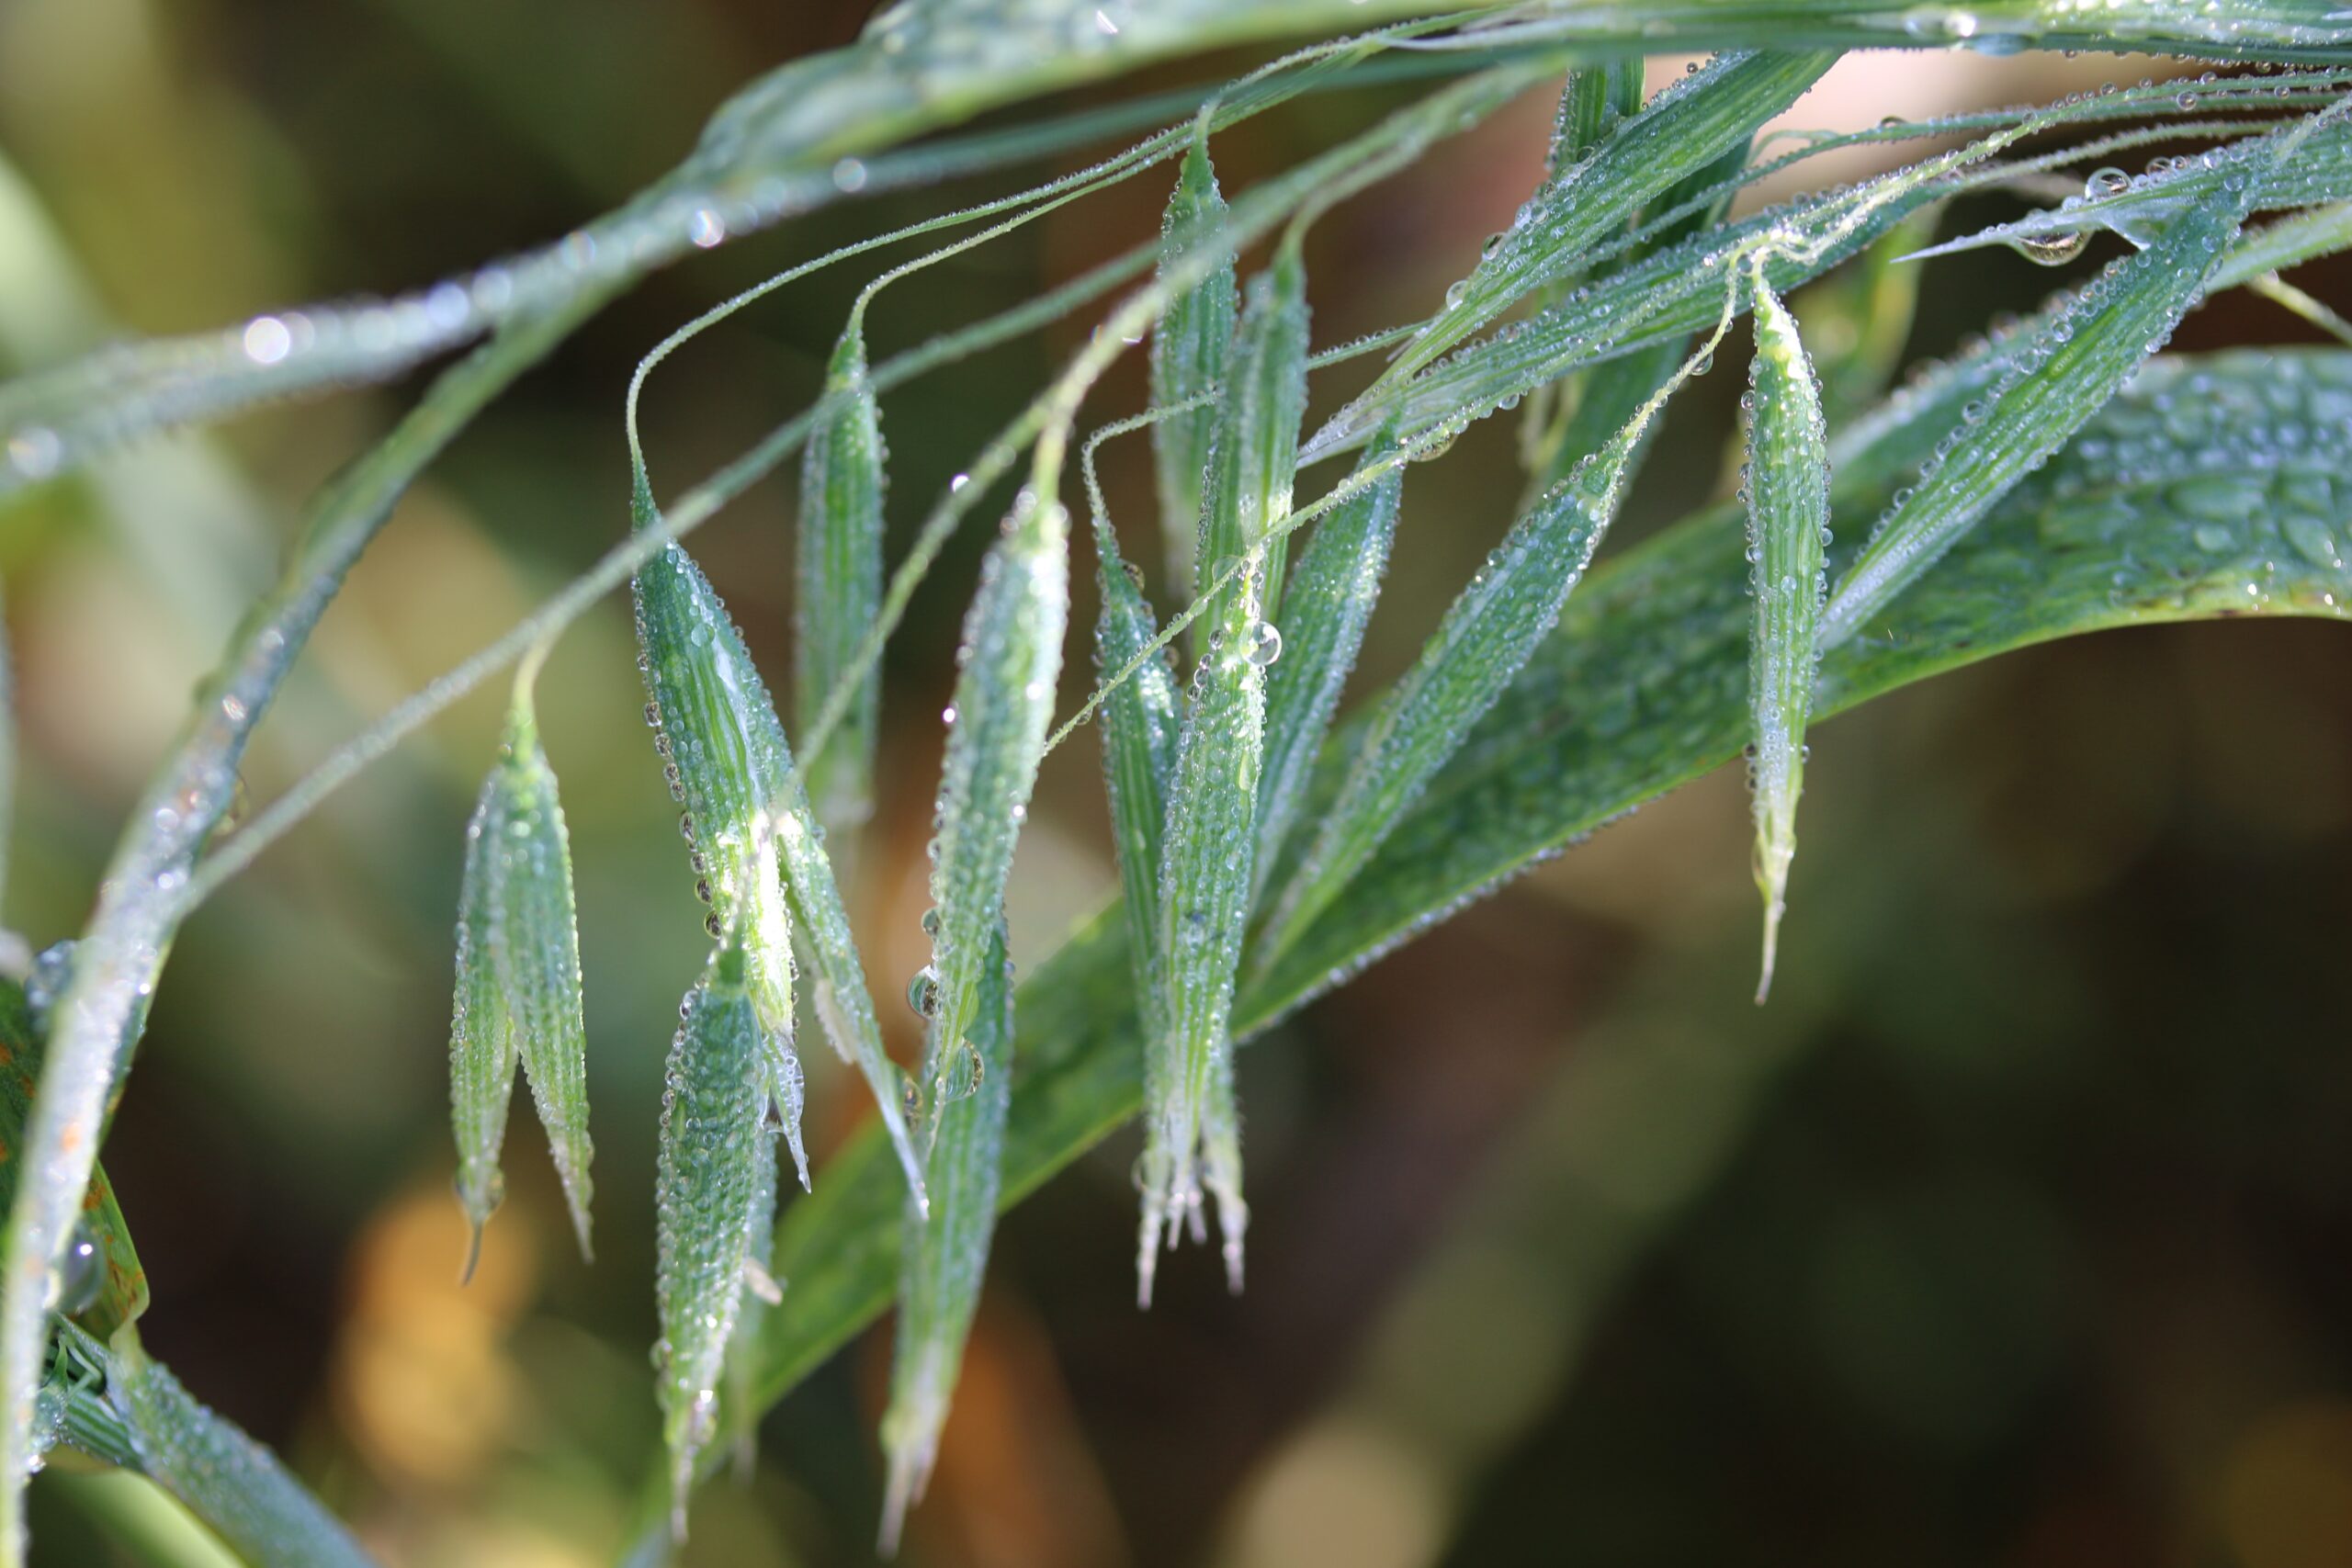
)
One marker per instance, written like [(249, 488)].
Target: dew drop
[(923, 992), (2105, 183), (267, 340), (2313, 542), (80, 1275), (1265, 644), (35, 452), (2051, 250)]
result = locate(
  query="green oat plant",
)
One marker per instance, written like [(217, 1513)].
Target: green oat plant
[(2060, 477)]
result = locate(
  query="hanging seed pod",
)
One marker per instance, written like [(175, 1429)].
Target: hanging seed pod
[(1011, 659), (100, 1284), (761, 1293), (944, 1255), (759, 848), (706, 1195), (1254, 452), (1188, 355), (1190, 1129), (1787, 492), (226, 1479), (518, 995), (1139, 725), (1325, 609), (839, 557)]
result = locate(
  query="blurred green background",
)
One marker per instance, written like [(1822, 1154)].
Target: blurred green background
[(2018, 1230)]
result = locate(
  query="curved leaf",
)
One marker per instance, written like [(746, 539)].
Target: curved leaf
[(229, 1480)]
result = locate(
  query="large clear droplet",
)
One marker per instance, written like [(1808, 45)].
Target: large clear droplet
[(2051, 250)]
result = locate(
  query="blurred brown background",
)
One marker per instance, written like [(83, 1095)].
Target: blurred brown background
[(2014, 1232)]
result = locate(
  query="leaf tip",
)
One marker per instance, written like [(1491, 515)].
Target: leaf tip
[(910, 1461)]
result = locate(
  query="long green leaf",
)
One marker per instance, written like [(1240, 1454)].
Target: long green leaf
[(1642, 689), (776, 148), (100, 1282), (1786, 487), (1608, 393), (1489, 631), (2142, 207), (2060, 376), (226, 1479), (1857, 321), (1684, 129)]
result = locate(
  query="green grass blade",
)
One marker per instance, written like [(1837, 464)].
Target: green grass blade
[(1608, 393), (226, 1479), (1191, 1133), (713, 1112), (838, 552), (518, 994), (1678, 289), (1787, 492), (1010, 658), (1325, 609), (1684, 129), (774, 150), (100, 1284), (2142, 207), (1858, 320), (1489, 633), (1595, 100), (2061, 377), (1188, 355), (945, 1253), (1255, 448), (758, 852), (1653, 661)]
